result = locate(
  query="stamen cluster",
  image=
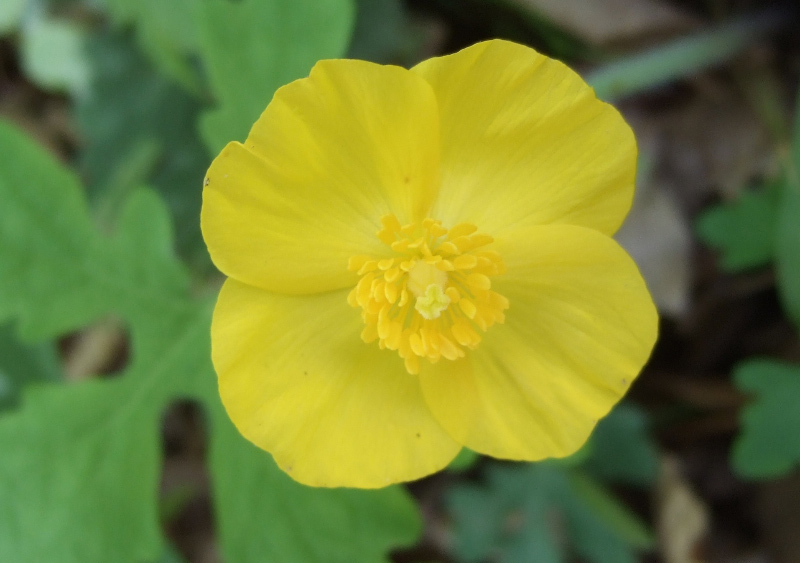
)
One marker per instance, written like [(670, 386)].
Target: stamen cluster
[(432, 294)]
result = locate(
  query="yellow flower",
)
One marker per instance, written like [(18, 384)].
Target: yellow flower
[(420, 260)]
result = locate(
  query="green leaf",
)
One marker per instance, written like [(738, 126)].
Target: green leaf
[(594, 502), (743, 230), (623, 451), (541, 512), (170, 555), (767, 446), (167, 34), (787, 252), (53, 55), (139, 128), (80, 467), (22, 364), (382, 33), (252, 47), (575, 459), (269, 517), (466, 459), (82, 461), (11, 15)]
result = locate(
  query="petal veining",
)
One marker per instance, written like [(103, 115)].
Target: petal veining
[(298, 381), (329, 156), (526, 142), (581, 327)]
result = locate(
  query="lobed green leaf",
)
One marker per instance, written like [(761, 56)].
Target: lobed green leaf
[(23, 364), (744, 230), (154, 141), (787, 251), (53, 55), (533, 512), (167, 33), (465, 460), (11, 15), (251, 48), (80, 467), (383, 33), (767, 446), (622, 448)]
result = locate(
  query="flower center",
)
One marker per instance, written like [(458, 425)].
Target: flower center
[(432, 295)]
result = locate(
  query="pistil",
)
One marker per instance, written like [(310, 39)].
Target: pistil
[(431, 295)]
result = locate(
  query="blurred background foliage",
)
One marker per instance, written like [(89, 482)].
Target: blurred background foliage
[(113, 443)]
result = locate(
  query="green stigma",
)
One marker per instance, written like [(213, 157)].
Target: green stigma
[(431, 304)]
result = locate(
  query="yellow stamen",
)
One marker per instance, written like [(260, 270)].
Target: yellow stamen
[(424, 275), (431, 293)]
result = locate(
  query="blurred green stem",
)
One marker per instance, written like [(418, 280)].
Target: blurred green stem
[(131, 173), (684, 56)]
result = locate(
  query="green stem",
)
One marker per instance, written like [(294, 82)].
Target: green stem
[(683, 56)]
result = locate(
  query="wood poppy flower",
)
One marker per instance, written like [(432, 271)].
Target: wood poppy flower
[(420, 260)]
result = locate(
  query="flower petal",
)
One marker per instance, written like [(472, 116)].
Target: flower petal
[(330, 155), (298, 381), (579, 328), (525, 142)]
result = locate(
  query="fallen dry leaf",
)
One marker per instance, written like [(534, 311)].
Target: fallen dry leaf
[(682, 517), (658, 237)]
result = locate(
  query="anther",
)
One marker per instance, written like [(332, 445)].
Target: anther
[(431, 297)]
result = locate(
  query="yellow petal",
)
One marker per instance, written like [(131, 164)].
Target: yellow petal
[(298, 381), (580, 326), (525, 142), (330, 155)]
